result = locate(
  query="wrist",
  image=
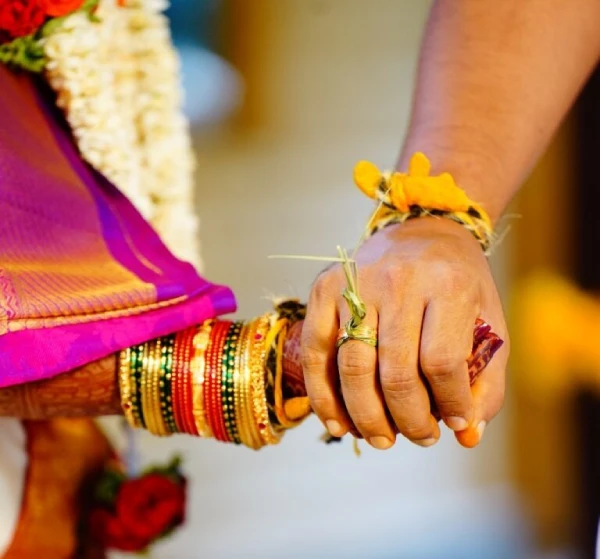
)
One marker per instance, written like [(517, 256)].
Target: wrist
[(476, 169)]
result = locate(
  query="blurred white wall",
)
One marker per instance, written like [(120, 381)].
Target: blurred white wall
[(336, 86)]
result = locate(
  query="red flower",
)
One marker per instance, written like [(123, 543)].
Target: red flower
[(107, 529), (151, 505), (22, 17), (57, 8)]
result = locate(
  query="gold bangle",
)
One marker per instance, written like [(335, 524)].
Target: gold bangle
[(162, 430), (241, 416), (147, 372), (197, 370), (125, 387), (254, 439), (257, 383), (145, 389), (149, 367), (152, 410)]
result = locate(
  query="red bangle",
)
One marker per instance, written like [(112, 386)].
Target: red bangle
[(176, 381), (187, 389), (184, 382), (212, 394), (212, 378)]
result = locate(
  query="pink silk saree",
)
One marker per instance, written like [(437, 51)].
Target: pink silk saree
[(82, 274)]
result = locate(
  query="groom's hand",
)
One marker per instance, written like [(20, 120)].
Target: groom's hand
[(424, 284)]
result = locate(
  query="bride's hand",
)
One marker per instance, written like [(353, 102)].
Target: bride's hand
[(424, 284)]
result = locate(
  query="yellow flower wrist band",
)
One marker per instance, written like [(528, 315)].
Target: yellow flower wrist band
[(404, 196)]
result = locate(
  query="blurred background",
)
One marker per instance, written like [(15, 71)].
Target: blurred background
[(285, 96)]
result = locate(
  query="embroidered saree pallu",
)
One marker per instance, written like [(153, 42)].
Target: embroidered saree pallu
[(82, 275)]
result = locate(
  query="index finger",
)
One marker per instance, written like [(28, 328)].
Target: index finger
[(319, 354)]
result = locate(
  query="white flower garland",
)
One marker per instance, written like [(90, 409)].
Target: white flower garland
[(117, 79)]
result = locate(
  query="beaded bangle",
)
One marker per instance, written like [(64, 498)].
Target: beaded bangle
[(157, 370), (137, 353), (157, 362), (237, 386), (227, 399), (165, 391)]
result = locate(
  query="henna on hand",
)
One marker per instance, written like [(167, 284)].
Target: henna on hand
[(88, 391)]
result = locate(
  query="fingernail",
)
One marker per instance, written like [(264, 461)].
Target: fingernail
[(481, 428), (456, 423), (381, 443), (335, 428), (426, 442)]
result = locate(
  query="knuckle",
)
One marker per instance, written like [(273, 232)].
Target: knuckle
[(355, 362), (398, 383), (324, 283), (442, 366), (451, 406), (321, 402), (457, 280), (397, 273), (312, 360)]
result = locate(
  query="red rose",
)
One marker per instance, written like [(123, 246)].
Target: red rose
[(57, 8), (107, 529), (151, 505), (22, 17)]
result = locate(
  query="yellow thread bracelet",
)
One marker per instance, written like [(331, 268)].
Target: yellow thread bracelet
[(404, 196)]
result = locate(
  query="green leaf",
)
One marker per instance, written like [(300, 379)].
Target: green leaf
[(172, 469), (89, 6), (108, 487), (51, 26), (24, 52)]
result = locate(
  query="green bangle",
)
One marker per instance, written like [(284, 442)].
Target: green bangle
[(164, 385), (227, 382)]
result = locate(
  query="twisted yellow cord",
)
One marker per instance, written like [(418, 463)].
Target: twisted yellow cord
[(404, 196)]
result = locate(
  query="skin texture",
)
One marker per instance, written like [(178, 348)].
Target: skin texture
[(91, 390), (495, 79)]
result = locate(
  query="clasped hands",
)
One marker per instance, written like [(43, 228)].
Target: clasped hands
[(425, 283)]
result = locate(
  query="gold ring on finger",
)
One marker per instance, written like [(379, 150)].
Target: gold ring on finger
[(360, 333)]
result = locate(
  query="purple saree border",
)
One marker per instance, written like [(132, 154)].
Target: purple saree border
[(33, 355)]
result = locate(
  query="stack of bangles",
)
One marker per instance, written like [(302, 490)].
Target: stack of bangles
[(220, 380), (223, 379)]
